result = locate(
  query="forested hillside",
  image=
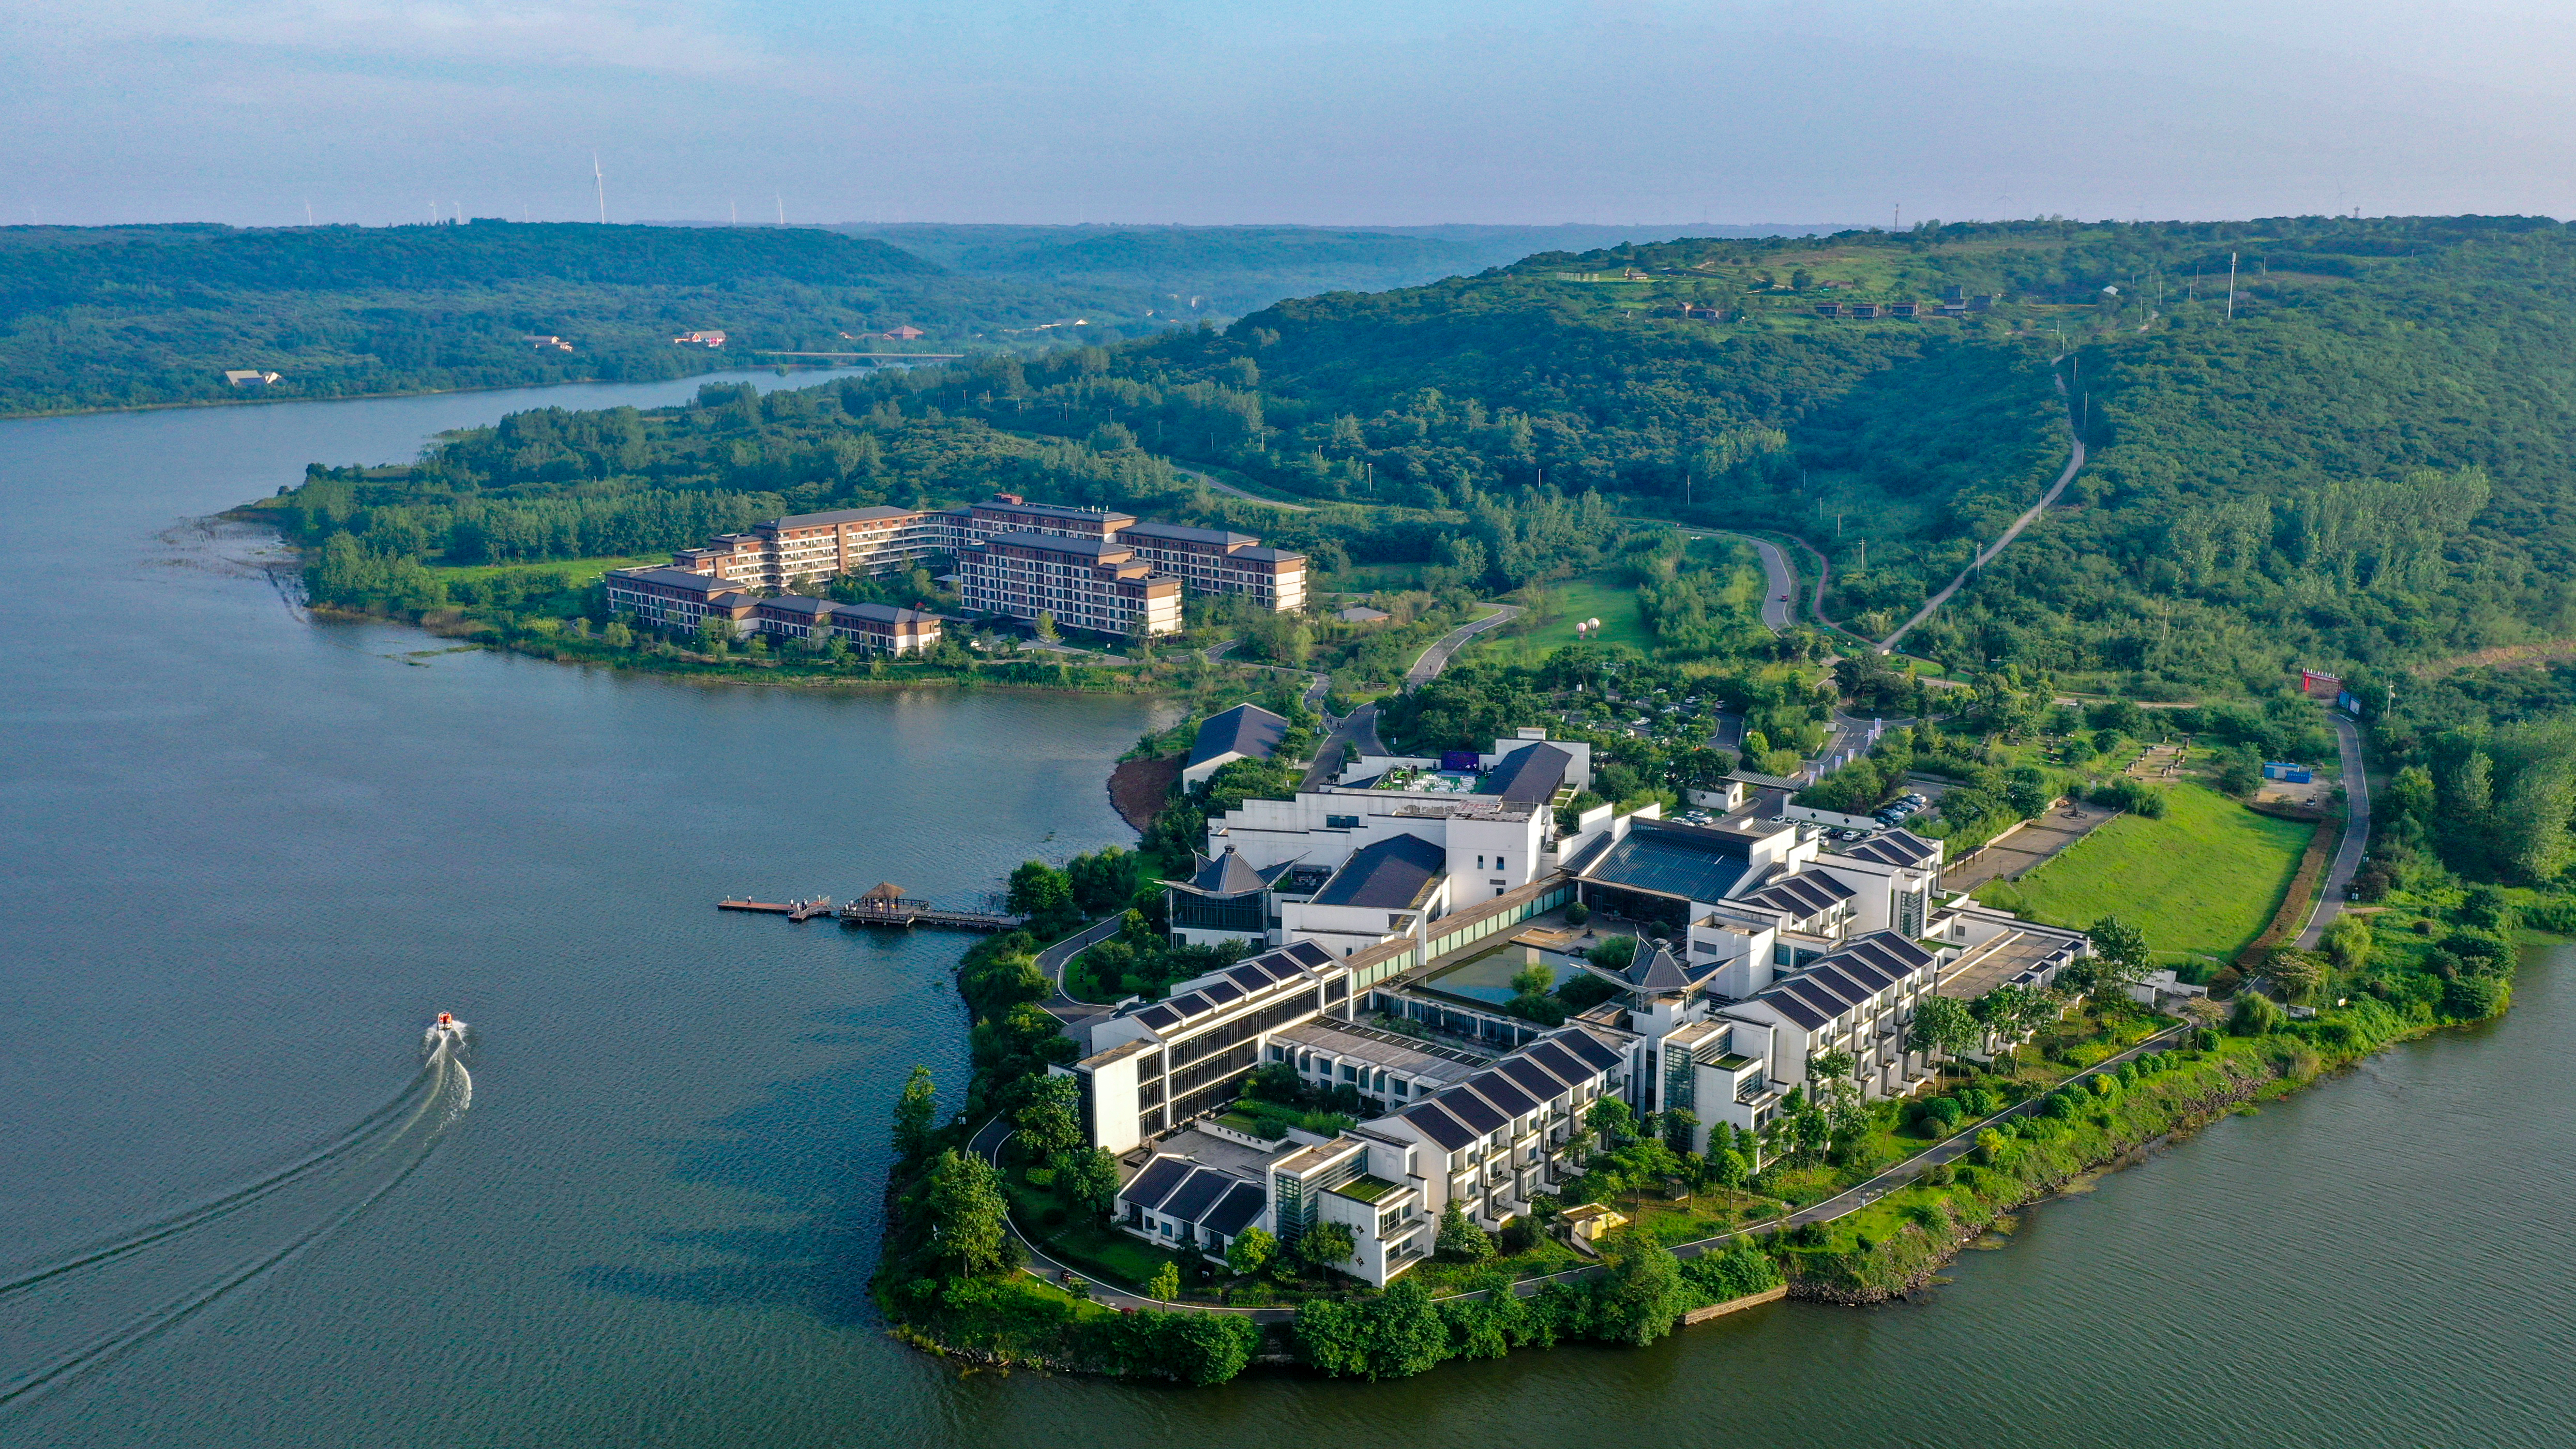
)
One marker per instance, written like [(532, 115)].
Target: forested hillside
[(120, 316), (2368, 463), (1188, 272)]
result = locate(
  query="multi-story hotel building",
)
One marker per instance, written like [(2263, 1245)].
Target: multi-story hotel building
[(678, 599), (823, 546), (1215, 561), (1090, 568), (1081, 583)]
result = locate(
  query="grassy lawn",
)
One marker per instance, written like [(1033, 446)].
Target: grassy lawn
[(1572, 601), (571, 570), (2204, 880)]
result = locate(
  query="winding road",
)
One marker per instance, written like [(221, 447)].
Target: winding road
[(2356, 834), (1427, 667), (2074, 461)]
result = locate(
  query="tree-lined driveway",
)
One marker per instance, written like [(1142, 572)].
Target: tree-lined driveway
[(1436, 658), (2356, 835)]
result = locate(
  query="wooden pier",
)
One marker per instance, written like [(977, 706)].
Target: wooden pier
[(887, 905), (792, 910)]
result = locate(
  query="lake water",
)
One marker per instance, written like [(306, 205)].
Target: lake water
[(250, 855)]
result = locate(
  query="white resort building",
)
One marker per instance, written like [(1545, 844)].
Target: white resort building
[(1396, 905)]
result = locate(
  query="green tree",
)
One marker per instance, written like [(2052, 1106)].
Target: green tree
[(1681, 1127), (2120, 954), (1613, 953), (2292, 972), (1641, 1295), (1165, 1285), (916, 1114), (2346, 941), (1045, 627), (1328, 1245), (1611, 1119), (1050, 1116), (968, 1217), (1090, 1178), (1251, 1250), (2254, 1014), (1396, 1335), (1944, 1024), (1040, 891), (1460, 1240)]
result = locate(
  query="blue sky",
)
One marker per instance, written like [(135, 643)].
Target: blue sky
[(1208, 111)]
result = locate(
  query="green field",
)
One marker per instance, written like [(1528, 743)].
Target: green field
[(1570, 601), (570, 570), (2204, 880)]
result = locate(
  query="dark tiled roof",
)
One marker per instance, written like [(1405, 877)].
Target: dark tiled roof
[(1438, 1125), (1894, 847), (1183, 533), (1533, 1078), (795, 604), (1567, 1066), (1197, 1193), (1591, 1050), (1090, 548), (1528, 776), (676, 578), (1235, 1211), (1470, 1110), (1794, 1007), (1246, 729), (1227, 875), (882, 613), (1268, 555), (1497, 1089), (1657, 970), (1156, 1182), (1802, 895), (1393, 874)]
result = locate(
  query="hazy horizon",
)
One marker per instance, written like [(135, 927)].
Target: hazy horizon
[(1215, 112)]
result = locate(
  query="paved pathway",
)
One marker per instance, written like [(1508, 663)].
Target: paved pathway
[(2074, 461), (1053, 960), (1776, 600), (1359, 727), (2356, 835), (1436, 658)]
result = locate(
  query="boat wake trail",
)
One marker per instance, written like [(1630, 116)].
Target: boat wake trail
[(84, 1308)]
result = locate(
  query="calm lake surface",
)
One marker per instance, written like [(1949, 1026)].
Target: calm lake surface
[(249, 856)]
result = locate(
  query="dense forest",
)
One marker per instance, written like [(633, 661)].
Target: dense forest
[(2359, 458), (99, 317)]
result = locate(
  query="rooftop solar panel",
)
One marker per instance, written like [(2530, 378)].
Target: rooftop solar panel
[(1439, 1126), (1156, 1182), (1564, 1064), (1197, 1194), (1470, 1110), (1589, 1049), (1496, 1088), (1533, 1078)]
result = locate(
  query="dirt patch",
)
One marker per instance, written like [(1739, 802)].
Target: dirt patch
[(1139, 789), (2501, 656), (2010, 856)]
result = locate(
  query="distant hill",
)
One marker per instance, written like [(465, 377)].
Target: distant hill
[(1223, 271), (2371, 461), (119, 316)]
